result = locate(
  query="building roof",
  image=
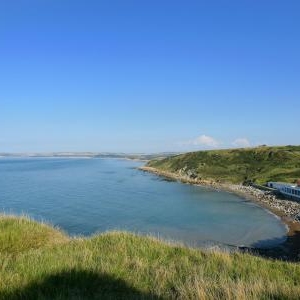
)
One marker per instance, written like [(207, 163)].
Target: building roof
[(291, 185)]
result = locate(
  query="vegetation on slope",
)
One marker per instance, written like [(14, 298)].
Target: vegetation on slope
[(258, 165), (120, 265)]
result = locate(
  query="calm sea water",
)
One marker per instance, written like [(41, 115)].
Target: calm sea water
[(85, 196)]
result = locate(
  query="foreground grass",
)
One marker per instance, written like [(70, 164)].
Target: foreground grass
[(258, 165), (120, 265)]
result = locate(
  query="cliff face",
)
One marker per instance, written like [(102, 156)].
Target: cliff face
[(258, 165)]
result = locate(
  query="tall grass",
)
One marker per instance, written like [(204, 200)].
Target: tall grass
[(119, 265)]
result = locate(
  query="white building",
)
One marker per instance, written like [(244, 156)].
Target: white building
[(287, 189)]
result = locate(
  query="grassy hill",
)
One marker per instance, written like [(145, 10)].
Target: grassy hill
[(40, 262), (259, 164)]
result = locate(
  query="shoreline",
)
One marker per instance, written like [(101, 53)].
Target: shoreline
[(287, 210)]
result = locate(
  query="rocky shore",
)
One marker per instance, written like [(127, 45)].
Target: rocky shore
[(287, 210)]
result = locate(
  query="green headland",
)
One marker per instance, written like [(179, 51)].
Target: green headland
[(258, 165)]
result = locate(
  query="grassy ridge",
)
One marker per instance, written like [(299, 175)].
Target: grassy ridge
[(258, 165), (120, 265), (21, 234)]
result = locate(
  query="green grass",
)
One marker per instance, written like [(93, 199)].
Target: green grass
[(258, 165), (120, 265), (21, 234)]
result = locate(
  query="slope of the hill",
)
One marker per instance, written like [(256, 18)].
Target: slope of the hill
[(257, 165), (120, 265)]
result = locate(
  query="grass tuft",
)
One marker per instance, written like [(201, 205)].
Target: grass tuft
[(19, 234), (120, 265)]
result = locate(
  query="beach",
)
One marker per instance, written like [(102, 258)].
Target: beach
[(287, 210)]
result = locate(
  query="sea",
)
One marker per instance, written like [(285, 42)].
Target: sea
[(87, 196)]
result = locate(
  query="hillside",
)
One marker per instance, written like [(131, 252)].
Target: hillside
[(258, 165), (118, 265)]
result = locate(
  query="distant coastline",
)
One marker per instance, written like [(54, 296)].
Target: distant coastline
[(131, 156)]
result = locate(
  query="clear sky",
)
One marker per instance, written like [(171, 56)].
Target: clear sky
[(148, 76)]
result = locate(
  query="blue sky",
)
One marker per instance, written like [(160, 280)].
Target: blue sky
[(148, 76)]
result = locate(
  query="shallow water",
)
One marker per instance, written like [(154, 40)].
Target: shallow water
[(85, 196)]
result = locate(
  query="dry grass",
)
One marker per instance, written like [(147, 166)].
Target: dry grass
[(120, 265)]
